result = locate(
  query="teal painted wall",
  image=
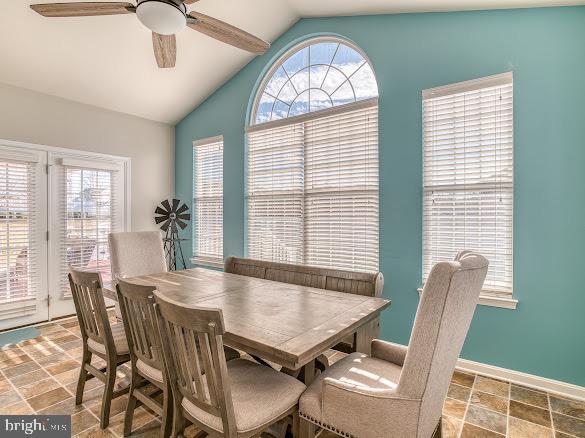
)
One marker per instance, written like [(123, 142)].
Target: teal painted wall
[(546, 50)]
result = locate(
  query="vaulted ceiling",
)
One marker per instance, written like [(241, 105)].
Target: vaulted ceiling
[(108, 61)]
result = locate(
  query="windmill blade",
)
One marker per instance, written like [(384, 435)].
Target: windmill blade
[(166, 205), (160, 219), (173, 226), (161, 211), (182, 224), (87, 9), (165, 226), (176, 203), (165, 50), (185, 216), (226, 33), (182, 208)]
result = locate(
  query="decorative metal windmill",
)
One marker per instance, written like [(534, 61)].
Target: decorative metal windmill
[(172, 218)]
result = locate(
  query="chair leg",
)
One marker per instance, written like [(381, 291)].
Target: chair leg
[(108, 393), (132, 400), (82, 377), (296, 424), (167, 413), (179, 422), (306, 429), (439, 429)]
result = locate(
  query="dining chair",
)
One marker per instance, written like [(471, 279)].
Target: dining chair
[(99, 337), (146, 356), (136, 253), (239, 398), (399, 391)]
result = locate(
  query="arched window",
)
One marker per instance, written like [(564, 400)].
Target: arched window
[(312, 181), (314, 76)]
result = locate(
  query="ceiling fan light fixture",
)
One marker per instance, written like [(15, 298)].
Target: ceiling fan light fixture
[(164, 17)]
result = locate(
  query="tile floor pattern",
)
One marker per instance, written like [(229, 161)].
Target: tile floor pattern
[(40, 376)]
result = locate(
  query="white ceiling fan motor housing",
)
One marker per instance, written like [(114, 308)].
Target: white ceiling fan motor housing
[(165, 17)]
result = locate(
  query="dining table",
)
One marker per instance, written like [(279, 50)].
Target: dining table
[(286, 324)]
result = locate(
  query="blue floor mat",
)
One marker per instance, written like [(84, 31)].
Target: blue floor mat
[(18, 335)]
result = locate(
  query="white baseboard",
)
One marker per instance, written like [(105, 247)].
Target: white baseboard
[(532, 381)]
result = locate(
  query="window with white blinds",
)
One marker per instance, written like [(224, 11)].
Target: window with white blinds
[(468, 176), (90, 206), (208, 199), (19, 245), (312, 188)]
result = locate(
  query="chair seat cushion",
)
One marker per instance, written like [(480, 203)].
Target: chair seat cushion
[(120, 341), (260, 395), (149, 371), (356, 369)]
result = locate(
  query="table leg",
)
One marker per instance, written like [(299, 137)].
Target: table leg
[(309, 369), (365, 334)]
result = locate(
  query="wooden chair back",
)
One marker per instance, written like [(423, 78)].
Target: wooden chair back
[(86, 288), (193, 347), (140, 322), (360, 283)]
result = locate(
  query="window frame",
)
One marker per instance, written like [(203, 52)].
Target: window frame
[(254, 126), (216, 262), (489, 296)]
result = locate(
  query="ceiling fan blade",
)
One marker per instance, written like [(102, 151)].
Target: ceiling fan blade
[(165, 50), (226, 33), (83, 9)]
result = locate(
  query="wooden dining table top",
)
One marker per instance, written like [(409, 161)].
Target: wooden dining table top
[(284, 323)]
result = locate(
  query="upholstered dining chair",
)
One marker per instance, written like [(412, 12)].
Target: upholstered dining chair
[(138, 315), (399, 391), (105, 340), (239, 398), (136, 253)]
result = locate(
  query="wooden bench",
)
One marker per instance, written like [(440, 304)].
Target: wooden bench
[(360, 283)]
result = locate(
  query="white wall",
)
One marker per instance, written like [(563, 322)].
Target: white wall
[(33, 117)]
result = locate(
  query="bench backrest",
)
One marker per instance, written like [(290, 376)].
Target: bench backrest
[(359, 283)]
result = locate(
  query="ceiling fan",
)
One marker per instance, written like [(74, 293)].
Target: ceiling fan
[(165, 18)]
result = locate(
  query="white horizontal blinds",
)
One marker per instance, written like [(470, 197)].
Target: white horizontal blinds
[(275, 194), (341, 191), (468, 176), (208, 199), (19, 248), (313, 189), (89, 208)]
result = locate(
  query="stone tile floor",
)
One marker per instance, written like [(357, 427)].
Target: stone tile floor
[(40, 376)]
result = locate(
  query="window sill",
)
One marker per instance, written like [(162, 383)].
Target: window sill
[(206, 261), (491, 301)]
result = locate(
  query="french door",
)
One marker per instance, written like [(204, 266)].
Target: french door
[(23, 245), (57, 208), (87, 199)]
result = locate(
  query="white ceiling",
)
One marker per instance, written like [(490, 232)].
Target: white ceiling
[(108, 61)]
